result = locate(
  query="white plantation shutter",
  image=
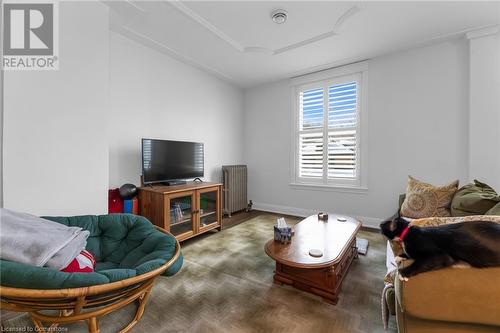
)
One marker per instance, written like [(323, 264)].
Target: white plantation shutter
[(342, 105), (328, 132), (342, 136), (311, 141), (311, 109), (342, 154), (311, 155)]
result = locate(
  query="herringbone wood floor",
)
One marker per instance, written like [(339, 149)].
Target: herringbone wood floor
[(226, 285)]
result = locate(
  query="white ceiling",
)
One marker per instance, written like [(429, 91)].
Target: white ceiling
[(237, 40)]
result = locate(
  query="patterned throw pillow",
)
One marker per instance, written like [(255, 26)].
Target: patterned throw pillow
[(425, 200)]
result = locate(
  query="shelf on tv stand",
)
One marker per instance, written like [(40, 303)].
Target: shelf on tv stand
[(207, 214), (181, 221), (155, 204)]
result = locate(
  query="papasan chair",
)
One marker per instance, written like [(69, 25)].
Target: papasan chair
[(130, 253)]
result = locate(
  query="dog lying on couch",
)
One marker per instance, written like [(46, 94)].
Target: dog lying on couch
[(453, 299), (476, 243)]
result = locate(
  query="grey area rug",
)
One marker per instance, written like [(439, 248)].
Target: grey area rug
[(226, 285)]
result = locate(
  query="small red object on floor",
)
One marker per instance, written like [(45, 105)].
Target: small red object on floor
[(115, 203), (135, 206)]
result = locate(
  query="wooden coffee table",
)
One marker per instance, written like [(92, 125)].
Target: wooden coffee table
[(321, 276)]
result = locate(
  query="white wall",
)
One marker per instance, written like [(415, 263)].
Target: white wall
[(153, 95), (73, 133), (55, 147), (1, 116), (417, 124), (484, 116)]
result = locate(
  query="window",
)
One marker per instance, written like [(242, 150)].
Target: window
[(327, 128)]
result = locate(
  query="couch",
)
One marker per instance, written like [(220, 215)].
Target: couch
[(456, 299)]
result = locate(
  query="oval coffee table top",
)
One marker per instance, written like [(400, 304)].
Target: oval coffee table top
[(332, 237)]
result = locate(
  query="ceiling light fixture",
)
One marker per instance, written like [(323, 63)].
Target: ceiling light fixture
[(279, 16)]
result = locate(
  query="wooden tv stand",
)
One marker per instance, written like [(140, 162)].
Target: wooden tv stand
[(185, 210)]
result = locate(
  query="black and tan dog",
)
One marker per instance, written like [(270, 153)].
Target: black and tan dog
[(476, 243)]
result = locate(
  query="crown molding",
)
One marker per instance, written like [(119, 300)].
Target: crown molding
[(335, 31), (305, 42), (488, 31), (367, 56), (128, 32), (132, 4), (154, 44), (344, 17), (190, 13), (204, 23)]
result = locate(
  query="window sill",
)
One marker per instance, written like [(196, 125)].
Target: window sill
[(330, 188)]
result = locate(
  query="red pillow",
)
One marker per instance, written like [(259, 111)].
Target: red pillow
[(83, 263)]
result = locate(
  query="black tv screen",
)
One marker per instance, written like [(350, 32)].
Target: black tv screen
[(164, 160)]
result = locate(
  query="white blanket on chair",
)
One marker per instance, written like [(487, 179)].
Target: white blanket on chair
[(31, 240)]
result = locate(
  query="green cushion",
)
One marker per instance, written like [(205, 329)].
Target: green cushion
[(19, 275), (118, 274), (124, 245), (474, 199), (104, 265), (495, 210)]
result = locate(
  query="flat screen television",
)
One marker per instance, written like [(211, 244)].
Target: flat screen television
[(165, 160)]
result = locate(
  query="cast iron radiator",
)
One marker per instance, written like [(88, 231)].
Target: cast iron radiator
[(235, 188)]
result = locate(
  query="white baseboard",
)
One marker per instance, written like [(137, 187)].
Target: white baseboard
[(370, 222)]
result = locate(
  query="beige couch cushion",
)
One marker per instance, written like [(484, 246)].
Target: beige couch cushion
[(467, 295)]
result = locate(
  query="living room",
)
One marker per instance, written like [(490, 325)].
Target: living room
[(269, 85)]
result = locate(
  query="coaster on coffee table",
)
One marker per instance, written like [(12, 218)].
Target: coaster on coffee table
[(315, 253)]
